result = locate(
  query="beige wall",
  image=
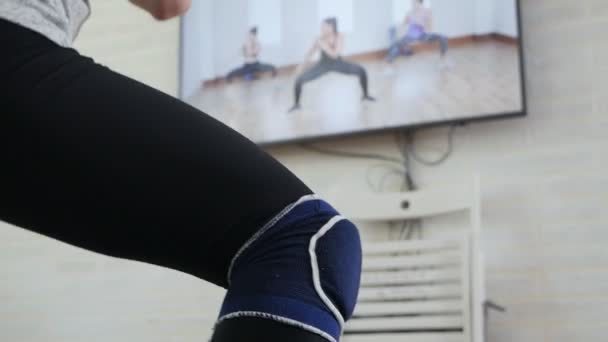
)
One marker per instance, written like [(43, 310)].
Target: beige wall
[(131, 42), (544, 184)]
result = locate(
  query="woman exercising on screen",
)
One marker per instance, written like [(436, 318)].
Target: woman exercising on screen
[(330, 43), (251, 53), (418, 25), (103, 162)]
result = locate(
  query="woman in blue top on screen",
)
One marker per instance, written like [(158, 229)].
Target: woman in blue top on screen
[(418, 25), (330, 44)]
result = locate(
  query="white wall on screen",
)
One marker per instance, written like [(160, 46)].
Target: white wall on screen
[(454, 18), (197, 43), (506, 17), (485, 16), (301, 27), (342, 9), (400, 8), (230, 30), (267, 13), (496, 16), (370, 32)]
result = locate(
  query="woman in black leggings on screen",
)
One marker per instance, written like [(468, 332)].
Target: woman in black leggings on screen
[(330, 44), (98, 160)]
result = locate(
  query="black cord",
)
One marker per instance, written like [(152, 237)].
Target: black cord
[(411, 149), (389, 170), (351, 155), (408, 181), (406, 144), (408, 227)]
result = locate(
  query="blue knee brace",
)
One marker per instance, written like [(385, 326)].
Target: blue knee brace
[(303, 268)]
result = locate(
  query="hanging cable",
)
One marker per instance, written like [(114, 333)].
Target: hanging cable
[(351, 155), (412, 150)]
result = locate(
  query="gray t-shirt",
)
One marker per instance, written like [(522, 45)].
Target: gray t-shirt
[(58, 20)]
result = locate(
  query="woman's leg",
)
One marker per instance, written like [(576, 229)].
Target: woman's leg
[(250, 329), (309, 75), (301, 270), (394, 51), (100, 161), (263, 68), (349, 68), (434, 37), (238, 72)]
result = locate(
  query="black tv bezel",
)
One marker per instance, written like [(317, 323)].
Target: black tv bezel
[(366, 132)]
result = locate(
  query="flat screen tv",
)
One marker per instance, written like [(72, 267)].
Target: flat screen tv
[(294, 70)]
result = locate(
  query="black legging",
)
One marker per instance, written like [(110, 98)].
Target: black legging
[(326, 65), (251, 69), (100, 161)]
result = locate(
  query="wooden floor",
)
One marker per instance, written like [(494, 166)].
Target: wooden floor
[(483, 79)]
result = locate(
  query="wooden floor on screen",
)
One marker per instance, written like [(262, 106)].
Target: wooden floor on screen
[(483, 78)]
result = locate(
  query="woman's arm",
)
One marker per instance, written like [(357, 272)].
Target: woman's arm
[(402, 29), (313, 50), (163, 9)]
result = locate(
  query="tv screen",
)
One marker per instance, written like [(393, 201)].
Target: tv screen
[(295, 70)]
